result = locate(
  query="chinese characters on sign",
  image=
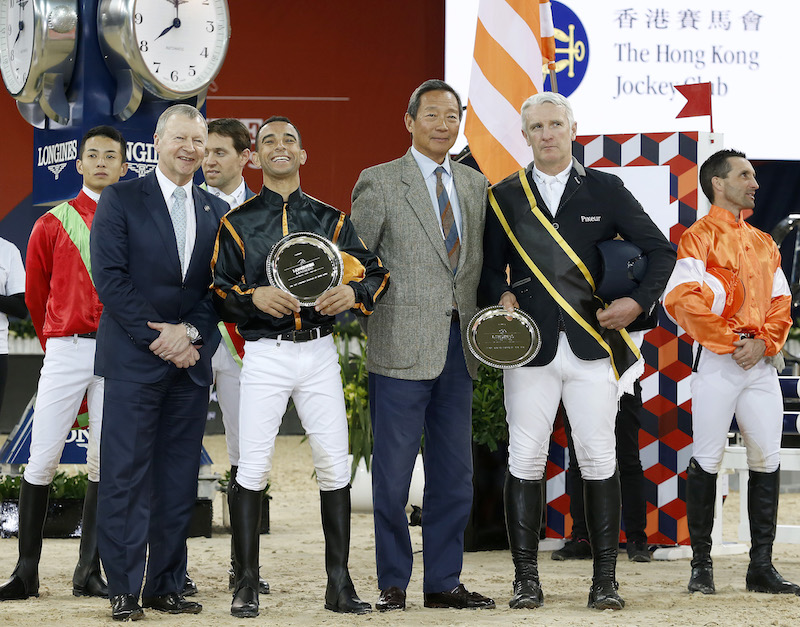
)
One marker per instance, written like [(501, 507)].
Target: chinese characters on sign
[(662, 19)]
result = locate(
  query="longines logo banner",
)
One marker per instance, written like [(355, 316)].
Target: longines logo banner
[(619, 61), (55, 177)]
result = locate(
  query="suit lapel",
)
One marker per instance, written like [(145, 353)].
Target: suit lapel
[(420, 201), (207, 223), (159, 213), (465, 196)]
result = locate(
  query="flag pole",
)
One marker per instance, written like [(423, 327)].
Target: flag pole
[(553, 80)]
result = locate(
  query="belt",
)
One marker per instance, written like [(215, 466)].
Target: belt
[(91, 336), (305, 335)]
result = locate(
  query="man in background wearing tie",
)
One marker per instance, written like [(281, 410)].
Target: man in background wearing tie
[(423, 215), (151, 246), (227, 153)]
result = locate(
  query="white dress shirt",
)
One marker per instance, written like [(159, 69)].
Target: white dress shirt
[(167, 188), (235, 199), (550, 187), (428, 168)]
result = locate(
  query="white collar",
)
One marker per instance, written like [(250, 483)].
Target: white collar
[(427, 165)]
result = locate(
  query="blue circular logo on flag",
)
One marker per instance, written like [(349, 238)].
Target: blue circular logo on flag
[(572, 50)]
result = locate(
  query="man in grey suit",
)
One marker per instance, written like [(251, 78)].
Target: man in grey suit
[(423, 215)]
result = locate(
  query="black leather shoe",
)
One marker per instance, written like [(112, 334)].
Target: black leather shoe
[(95, 586), (189, 587), (15, 589), (458, 598), (245, 603), (172, 603), (392, 598), (638, 552), (527, 595), (702, 579), (603, 595), (573, 549), (125, 607), (770, 581)]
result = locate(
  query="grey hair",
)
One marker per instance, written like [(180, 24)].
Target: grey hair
[(184, 110), (547, 97)]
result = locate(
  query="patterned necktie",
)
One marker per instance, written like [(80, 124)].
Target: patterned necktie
[(178, 214), (451, 241)]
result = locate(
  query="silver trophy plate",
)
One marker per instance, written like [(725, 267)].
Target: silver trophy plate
[(305, 265), (503, 340)]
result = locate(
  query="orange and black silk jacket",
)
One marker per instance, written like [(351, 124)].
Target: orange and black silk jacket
[(245, 238)]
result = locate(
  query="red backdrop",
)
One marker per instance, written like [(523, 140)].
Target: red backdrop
[(343, 71)]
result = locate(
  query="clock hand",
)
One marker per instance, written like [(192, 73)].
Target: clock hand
[(175, 24), (20, 6)]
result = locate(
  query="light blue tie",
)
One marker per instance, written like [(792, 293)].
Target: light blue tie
[(178, 214)]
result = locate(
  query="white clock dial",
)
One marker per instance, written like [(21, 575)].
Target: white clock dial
[(16, 43), (181, 42)]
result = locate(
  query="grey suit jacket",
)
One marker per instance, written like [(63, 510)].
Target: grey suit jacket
[(408, 333)]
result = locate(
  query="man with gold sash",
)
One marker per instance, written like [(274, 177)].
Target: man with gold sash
[(65, 311), (544, 224)]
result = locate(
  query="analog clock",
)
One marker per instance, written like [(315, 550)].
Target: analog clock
[(172, 48), (37, 51)]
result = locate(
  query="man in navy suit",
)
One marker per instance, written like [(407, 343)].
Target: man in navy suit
[(151, 247)]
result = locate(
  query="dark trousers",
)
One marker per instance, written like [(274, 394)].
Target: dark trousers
[(401, 412), (150, 456), (631, 477)]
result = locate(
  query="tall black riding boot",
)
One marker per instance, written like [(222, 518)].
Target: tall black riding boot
[(340, 594), (762, 508), (701, 492), (523, 504), (87, 581), (263, 584), (24, 580), (245, 506), (602, 503)]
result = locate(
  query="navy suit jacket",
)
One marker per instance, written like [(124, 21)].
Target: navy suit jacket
[(137, 274)]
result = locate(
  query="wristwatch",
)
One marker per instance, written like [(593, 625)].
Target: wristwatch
[(192, 333)]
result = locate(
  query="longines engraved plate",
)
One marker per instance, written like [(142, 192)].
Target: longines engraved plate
[(305, 265), (503, 340)]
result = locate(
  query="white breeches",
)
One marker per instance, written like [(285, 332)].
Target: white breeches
[(720, 389), (226, 381), (589, 394), (67, 374), (309, 373)]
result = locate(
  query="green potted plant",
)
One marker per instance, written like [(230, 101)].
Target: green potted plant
[(353, 364), (486, 528), (64, 510)]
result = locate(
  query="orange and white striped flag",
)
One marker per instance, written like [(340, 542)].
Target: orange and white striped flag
[(512, 41)]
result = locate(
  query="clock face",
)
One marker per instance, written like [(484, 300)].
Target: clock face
[(16, 42), (182, 44)]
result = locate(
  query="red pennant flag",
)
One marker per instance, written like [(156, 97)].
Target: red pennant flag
[(698, 97)]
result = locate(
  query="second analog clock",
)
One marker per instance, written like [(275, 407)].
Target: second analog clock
[(172, 48)]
